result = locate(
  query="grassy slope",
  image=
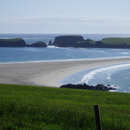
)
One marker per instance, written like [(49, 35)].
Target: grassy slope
[(112, 41), (116, 41), (29, 107)]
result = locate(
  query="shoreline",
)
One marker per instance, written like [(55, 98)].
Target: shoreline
[(49, 73), (109, 58)]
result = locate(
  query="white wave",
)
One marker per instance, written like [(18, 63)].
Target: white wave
[(109, 77), (32, 38), (51, 46), (125, 53), (90, 75), (101, 51)]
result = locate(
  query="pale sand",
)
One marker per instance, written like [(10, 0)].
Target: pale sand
[(49, 73)]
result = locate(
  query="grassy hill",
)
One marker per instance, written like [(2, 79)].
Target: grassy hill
[(105, 43), (116, 41), (44, 108)]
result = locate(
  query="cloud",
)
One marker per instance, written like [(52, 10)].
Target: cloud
[(67, 20), (68, 23)]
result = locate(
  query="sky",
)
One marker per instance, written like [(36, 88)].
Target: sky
[(65, 16)]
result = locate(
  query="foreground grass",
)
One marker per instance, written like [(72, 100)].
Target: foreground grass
[(44, 108)]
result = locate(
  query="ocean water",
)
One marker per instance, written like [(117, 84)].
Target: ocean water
[(116, 75)]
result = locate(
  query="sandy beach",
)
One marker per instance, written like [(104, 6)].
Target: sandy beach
[(49, 73)]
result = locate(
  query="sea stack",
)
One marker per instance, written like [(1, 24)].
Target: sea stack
[(67, 41)]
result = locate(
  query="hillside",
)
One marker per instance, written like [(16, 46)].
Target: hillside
[(30, 107)]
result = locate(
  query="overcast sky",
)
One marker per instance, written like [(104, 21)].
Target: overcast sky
[(65, 16)]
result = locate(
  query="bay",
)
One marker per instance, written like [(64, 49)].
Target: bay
[(119, 77)]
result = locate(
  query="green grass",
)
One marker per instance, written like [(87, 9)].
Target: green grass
[(44, 108), (111, 41), (92, 42), (116, 41)]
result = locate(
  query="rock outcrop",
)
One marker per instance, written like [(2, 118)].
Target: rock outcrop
[(99, 87), (50, 42)]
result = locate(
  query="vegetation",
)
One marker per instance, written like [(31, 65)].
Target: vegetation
[(116, 41), (44, 108), (106, 43)]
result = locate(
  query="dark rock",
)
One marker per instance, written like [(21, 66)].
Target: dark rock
[(99, 87), (50, 42)]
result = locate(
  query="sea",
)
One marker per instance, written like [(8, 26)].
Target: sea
[(115, 75)]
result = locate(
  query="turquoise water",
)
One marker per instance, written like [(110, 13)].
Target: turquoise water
[(25, 54), (118, 75)]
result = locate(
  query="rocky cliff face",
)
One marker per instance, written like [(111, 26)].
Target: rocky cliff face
[(67, 41)]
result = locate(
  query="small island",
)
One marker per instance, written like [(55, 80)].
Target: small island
[(76, 41), (67, 41), (79, 42), (19, 42)]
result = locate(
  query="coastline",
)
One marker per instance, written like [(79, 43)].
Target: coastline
[(49, 73)]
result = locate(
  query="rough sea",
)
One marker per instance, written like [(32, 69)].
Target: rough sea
[(116, 75)]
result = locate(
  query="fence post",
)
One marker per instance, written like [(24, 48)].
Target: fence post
[(97, 116)]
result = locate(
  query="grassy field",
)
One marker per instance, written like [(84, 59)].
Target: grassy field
[(44, 108), (116, 41), (109, 41)]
